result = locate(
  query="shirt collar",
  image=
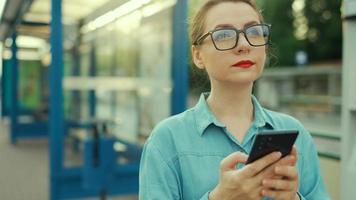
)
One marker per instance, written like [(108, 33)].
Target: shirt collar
[(261, 116), (204, 117)]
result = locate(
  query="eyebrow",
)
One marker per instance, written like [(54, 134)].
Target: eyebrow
[(231, 26)]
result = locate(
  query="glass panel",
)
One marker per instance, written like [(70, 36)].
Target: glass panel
[(155, 69), (133, 60), (29, 85)]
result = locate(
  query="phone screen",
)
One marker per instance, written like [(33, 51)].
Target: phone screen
[(269, 141)]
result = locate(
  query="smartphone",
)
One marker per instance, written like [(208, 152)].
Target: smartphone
[(274, 140)]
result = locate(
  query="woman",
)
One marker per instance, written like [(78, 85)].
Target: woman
[(194, 155)]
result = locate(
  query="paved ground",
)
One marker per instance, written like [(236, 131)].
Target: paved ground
[(24, 169)]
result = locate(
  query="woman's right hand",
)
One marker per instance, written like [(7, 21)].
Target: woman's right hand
[(246, 183)]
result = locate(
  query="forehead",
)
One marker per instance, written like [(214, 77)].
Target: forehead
[(237, 14)]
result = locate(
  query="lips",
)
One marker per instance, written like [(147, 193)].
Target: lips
[(244, 64)]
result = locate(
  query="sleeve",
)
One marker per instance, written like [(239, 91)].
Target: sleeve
[(157, 179), (311, 182)]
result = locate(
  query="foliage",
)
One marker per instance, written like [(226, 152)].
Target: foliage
[(322, 39)]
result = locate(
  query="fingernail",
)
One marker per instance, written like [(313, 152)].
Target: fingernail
[(277, 169), (277, 155)]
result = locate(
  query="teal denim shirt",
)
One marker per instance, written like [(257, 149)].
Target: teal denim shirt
[(181, 157)]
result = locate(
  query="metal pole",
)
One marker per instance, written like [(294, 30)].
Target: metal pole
[(14, 90), (348, 154), (180, 58), (56, 119), (92, 73)]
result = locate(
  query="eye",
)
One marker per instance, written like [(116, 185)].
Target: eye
[(255, 31), (221, 35)]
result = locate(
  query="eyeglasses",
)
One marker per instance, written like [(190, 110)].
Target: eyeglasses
[(227, 38)]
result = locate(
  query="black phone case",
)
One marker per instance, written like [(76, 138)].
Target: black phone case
[(269, 141)]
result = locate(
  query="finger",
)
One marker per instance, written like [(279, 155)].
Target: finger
[(230, 162), (279, 184), (288, 172), (277, 194), (256, 167), (269, 171), (288, 160), (294, 151)]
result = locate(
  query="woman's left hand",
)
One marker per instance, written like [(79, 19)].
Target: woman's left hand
[(284, 185)]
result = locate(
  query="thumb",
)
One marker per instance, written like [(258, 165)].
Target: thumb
[(230, 161)]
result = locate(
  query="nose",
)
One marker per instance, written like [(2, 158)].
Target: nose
[(242, 44)]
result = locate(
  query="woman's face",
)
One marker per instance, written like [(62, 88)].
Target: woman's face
[(226, 66)]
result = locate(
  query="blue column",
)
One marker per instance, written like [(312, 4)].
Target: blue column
[(180, 58), (92, 73), (14, 90), (2, 89), (56, 119)]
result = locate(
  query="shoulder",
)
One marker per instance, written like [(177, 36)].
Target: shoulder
[(287, 122), (170, 135), (167, 130), (282, 120), (277, 120)]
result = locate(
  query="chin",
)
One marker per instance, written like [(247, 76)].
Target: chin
[(245, 78), (239, 82)]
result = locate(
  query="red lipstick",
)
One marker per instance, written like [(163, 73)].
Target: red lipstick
[(244, 64)]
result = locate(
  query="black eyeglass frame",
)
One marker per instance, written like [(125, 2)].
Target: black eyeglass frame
[(203, 37)]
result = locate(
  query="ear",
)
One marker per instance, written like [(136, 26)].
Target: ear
[(197, 57)]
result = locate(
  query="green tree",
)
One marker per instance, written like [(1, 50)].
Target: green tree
[(324, 37), (279, 13), (321, 37)]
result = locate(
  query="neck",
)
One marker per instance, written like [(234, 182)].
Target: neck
[(228, 101)]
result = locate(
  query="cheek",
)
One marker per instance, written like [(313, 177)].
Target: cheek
[(211, 57), (261, 57)]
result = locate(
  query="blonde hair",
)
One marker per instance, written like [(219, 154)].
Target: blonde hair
[(197, 24)]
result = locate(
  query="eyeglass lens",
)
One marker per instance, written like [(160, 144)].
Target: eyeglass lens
[(227, 38)]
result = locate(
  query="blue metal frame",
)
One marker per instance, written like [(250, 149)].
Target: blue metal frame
[(68, 182), (6, 91), (3, 89), (20, 130), (17, 129), (92, 73), (13, 91), (79, 182), (56, 118), (180, 58)]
